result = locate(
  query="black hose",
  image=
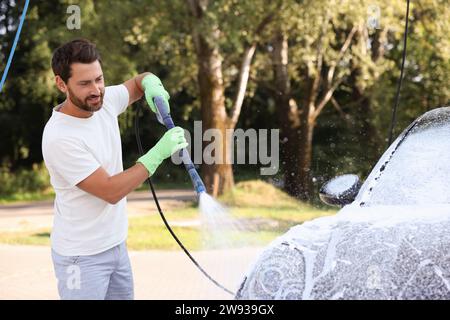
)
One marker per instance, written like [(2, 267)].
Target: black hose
[(400, 80), (155, 198)]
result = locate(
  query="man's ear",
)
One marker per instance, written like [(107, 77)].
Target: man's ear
[(61, 84)]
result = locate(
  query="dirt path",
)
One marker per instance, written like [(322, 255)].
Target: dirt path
[(26, 272)]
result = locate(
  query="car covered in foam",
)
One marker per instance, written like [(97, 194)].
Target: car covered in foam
[(390, 240)]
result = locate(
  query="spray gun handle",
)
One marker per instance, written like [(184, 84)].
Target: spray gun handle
[(163, 114)]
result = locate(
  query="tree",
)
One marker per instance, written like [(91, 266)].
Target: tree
[(206, 34), (328, 45), (315, 65)]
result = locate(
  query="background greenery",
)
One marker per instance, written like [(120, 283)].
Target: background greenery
[(145, 35)]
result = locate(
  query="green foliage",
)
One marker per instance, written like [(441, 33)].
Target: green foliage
[(148, 35), (24, 180)]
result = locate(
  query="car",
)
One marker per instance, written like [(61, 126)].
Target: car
[(389, 240)]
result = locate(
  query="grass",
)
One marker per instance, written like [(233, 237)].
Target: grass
[(26, 197), (37, 237), (270, 211)]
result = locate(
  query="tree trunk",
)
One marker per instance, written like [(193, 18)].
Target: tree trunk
[(287, 113), (296, 129), (364, 115), (304, 151), (218, 177)]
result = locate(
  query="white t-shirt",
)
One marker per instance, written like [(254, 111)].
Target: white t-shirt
[(73, 148)]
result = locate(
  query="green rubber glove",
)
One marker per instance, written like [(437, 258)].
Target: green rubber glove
[(172, 141), (153, 87)]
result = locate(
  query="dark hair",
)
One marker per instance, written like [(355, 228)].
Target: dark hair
[(78, 50)]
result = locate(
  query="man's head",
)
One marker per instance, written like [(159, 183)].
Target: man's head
[(78, 70)]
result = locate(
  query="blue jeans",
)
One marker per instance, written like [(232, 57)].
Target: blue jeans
[(103, 276)]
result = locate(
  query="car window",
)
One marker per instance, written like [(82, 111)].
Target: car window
[(419, 170)]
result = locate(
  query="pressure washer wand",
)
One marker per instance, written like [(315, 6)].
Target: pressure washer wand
[(198, 184), (165, 118)]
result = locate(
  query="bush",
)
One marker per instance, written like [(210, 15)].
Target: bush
[(31, 180)]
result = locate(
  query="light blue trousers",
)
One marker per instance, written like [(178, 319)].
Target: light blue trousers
[(103, 276)]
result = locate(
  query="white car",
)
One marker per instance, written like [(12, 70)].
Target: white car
[(391, 239)]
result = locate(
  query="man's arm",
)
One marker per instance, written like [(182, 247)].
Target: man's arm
[(135, 89), (113, 189)]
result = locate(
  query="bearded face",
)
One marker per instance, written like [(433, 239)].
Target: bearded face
[(91, 103), (86, 88)]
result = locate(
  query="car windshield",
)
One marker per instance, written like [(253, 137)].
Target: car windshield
[(419, 171)]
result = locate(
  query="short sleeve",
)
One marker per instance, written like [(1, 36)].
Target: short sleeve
[(70, 160), (117, 97)]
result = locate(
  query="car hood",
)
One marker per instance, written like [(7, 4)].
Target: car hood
[(380, 252)]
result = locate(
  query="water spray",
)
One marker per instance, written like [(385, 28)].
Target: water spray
[(164, 118)]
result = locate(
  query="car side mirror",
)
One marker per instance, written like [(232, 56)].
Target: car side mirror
[(341, 190)]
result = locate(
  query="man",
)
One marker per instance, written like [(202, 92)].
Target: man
[(82, 151)]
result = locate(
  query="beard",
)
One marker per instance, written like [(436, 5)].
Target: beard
[(89, 103)]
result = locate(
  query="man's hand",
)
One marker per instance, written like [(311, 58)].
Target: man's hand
[(172, 141), (153, 88)]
